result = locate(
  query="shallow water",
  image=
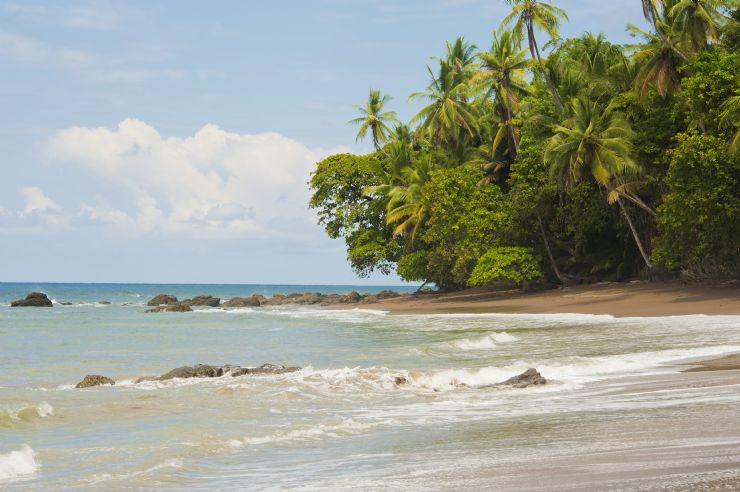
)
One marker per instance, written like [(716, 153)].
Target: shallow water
[(339, 423)]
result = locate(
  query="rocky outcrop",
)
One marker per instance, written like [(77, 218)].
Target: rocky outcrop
[(238, 302), (94, 380), (208, 371), (177, 307), (104, 303), (529, 377), (34, 299), (160, 299), (387, 294), (352, 298), (202, 301)]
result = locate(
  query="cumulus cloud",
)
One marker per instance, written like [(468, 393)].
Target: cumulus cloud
[(37, 201), (214, 183)]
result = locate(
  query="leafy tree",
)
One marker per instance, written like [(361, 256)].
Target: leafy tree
[(698, 225), (528, 15), (374, 119), (506, 264)]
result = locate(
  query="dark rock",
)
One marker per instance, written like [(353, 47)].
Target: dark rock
[(400, 380), (105, 303), (177, 307), (160, 299), (65, 303), (146, 378), (94, 380), (353, 297), (387, 294), (262, 370), (527, 378), (252, 301), (203, 301), (197, 371), (34, 299)]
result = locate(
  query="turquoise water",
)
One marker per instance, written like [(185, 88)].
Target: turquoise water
[(339, 423)]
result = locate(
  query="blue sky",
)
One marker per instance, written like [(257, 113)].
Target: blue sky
[(171, 141)]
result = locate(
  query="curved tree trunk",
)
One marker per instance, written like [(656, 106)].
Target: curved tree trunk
[(510, 117), (535, 50), (634, 234), (554, 265)]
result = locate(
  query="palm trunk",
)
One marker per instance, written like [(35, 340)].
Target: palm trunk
[(510, 117), (638, 202), (535, 50), (634, 234), (554, 265)]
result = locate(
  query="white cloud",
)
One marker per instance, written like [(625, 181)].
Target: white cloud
[(37, 201), (211, 184)]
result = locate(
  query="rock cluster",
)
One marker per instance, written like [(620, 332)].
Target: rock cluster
[(94, 380), (169, 303), (34, 299), (208, 371), (529, 377)]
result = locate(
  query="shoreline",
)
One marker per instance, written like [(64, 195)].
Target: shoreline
[(639, 299)]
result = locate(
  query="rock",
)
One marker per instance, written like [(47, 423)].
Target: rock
[(105, 303), (65, 303), (400, 380), (309, 298), (34, 299), (203, 301), (252, 301), (527, 378), (275, 300), (262, 370), (94, 380), (387, 294), (353, 297), (176, 307), (197, 371), (145, 379), (160, 299)]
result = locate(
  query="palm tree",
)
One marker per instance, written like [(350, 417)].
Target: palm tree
[(461, 56), (502, 71), (373, 118), (699, 19), (658, 59), (528, 15), (594, 143), (650, 10), (448, 118), (406, 207), (729, 118)]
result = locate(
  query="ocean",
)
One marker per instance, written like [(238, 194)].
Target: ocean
[(341, 422)]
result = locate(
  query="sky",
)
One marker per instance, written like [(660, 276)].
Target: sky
[(172, 141)]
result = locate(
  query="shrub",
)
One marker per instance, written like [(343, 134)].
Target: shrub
[(507, 264)]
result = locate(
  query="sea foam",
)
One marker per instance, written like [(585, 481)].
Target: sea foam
[(18, 465)]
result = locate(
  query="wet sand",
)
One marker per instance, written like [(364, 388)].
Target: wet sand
[(616, 299)]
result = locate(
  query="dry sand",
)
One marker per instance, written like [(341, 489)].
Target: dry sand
[(617, 299)]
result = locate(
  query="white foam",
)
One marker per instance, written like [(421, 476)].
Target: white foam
[(485, 342), (44, 409), (18, 465), (345, 428)]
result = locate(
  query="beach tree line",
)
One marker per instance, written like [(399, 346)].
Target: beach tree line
[(564, 160)]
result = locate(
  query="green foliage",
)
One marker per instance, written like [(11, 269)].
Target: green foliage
[(506, 264), (637, 164), (699, 227)]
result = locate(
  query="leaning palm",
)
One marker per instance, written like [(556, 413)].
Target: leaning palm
[(448, 117), (529, 15), (374, 120), (729, 119), (659, 58), (700, 20), (502, 74), (594, 143)]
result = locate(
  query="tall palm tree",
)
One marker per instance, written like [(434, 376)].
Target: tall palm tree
[(594, 143), (461, 56), (700, 20), (529, 15), (659, 58), (449, 117), (650, 9), (374, 119), (502, 71)]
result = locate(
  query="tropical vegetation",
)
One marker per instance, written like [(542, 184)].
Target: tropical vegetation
[(552, 160)]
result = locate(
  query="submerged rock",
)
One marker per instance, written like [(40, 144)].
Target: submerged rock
[(66, 303), (400, 380), (261, 370), (253, 301), (177, 307), (105, 303), (197, 371), (160, 299), (34, 299), (94, 380), (208, 371), (527, 378), (203, 301)]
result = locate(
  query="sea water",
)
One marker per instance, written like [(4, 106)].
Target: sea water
[(342, 421)]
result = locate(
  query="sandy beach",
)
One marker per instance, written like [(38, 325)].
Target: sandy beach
[(616, 299)]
